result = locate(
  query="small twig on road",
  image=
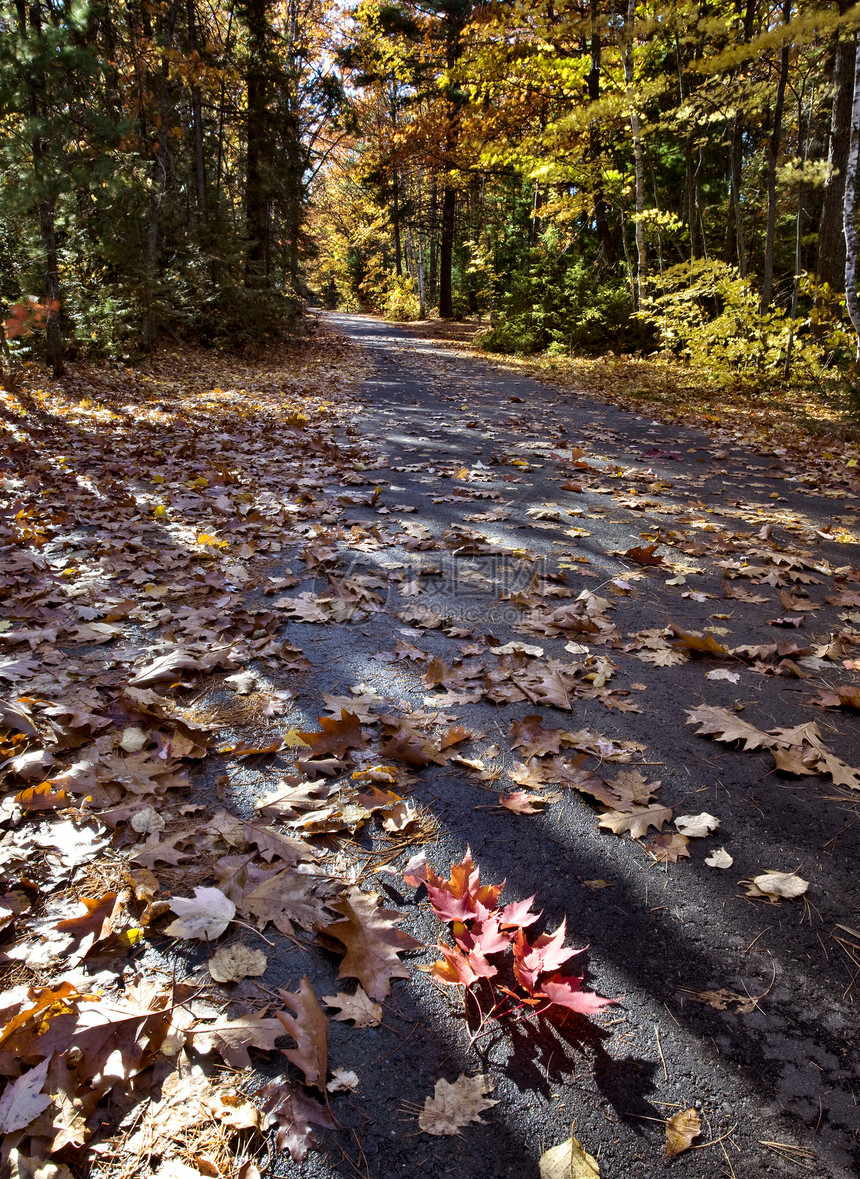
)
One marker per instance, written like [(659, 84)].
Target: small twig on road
[(660, 1050)]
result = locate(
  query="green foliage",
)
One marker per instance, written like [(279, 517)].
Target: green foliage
[(559, 303), (706, 314)]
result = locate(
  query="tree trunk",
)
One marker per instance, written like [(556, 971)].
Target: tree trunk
[(772, 158), (605, 237), (736, 163), (830, 264), (46, 202), (395, 221), (434, 246), (638, 157), (258, 143), (848, 220), (197, 121), (159, 176), (446, 253)]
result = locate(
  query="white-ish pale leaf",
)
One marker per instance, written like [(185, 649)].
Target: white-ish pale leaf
[(515, 647), (697, 826), (454, 1104), (342, 1080), (781, 884), (719, 859), (22, 1101), (205, 915), (722, 673)]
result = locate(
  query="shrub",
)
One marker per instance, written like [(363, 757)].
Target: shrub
[(561, 304)]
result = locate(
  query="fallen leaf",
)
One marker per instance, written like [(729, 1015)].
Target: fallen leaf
[(231, 963), (697, 826), (25, 1167), (337, 736), (372, 943), (775, 885), (681, 1129), (342, 1081), (359, 1007), (719, 859), (644, 555), (205, 915), (726, 726), (722, 999), (93, 925), (231, 1038), (521, 803), (23, 1099), (637, 820), (293, 1112), (568, 1161), (668, 848), (455, 1104), (309, 1028), (721, 673)]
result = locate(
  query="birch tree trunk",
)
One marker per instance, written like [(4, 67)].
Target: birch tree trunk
[(848, 221)]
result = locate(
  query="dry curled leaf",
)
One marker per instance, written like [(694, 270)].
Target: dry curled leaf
[(455, 1104), (668, 848), (681, 1129), (776, 885), (697, 826), (522, 803), (719, 859), (722, 999)]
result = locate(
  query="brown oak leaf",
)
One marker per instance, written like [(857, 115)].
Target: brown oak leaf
[(372, 942), (309, 1028), (669, 847), (93, 925), (293, 1112)]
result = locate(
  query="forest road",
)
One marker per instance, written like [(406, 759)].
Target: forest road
[(515, 499)]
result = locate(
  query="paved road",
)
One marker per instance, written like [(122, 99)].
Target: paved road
[(784, 1072)]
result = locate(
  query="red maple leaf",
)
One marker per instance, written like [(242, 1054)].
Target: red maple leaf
[(566, 991)]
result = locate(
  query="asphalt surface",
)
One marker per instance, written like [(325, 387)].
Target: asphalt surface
[(776, 1087)]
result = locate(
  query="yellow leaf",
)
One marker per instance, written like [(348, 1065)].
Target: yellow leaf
[(568, 1161), (130, 937), (681, 1129), (293, 740)]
